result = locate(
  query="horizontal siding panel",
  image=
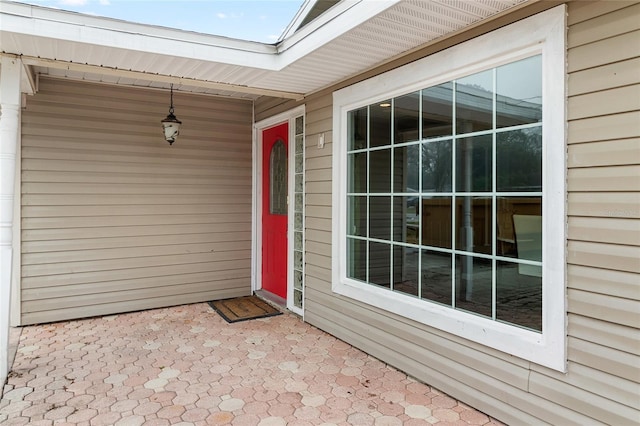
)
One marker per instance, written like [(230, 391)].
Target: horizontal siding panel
[(316, 223), (139, 168), (78, 300), (605, 230), (127, 284), (103, 277), (321, 175), (611, 179), (580, 11), (54, 234), (149, 302), (314, 152), (608, 153), (321, 187), (319, 274), (605, 307), (319, 211), (615, 49), (604, 333), (95, 189), (146, 145), (158, 178), (625, 205), (618, 74), (613, 101), (166, 249), (618, 126), (621, 364), (63, 199), (587, 403), (130, 220), (70, 266), (604, 281), (318, 163), (114, 219), (607, 256), (321, 126), (223, 159), (317, 260), (149, 209), (318, 248), (617, 22), (319, 200), (318, 236)]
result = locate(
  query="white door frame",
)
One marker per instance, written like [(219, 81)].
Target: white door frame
[(256, 227)]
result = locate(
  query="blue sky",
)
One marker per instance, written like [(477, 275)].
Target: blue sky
[(257, 20)]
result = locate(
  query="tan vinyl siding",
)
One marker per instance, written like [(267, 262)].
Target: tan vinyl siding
[(602, 382), (114, 219)]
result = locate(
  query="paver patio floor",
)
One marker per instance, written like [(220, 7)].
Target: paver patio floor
[(185, 365)]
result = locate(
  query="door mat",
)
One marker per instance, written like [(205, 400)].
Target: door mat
[(243, 308)]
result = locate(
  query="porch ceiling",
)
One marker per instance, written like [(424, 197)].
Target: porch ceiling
[(349, 38)]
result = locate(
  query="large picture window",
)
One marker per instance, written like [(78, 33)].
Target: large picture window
[(451, 190)]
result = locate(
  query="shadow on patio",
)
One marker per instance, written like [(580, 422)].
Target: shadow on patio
[(185, 365)]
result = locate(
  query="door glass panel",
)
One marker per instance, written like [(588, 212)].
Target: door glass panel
[(278, 179)]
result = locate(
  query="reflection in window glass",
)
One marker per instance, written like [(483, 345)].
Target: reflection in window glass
[(380, 124), (358, 126), (437, 111), (474, 164), (436, 277), (405, 219), (519, 160), (405, 270), (519, 92), (406, 168), (380, 171), (474, 103), (474, 285), (380, 264), (357, 216), (357, 172), (380, 218), (519, 296), (436, 222), (406, 110), (473, 224), (506, 209), (436, 166), (278, 179), (357, 259)]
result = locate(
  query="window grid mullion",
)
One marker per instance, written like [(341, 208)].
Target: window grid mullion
[(494, 218), (454, 142)]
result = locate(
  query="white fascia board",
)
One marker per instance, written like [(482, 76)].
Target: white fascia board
[(60, 25), (337, 21)]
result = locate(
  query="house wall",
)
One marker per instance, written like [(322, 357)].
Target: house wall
[(602, 382), (114, 219)]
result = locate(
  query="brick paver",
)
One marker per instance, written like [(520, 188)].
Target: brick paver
[(185, 365)]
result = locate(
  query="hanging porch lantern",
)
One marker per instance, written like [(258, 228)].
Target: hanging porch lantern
[(171, 124)]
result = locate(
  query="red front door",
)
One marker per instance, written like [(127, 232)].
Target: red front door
[(274, 209)]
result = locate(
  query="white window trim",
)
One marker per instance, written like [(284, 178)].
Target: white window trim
[(545, 34)]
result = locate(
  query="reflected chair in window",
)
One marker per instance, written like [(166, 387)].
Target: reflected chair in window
[(528, 230)]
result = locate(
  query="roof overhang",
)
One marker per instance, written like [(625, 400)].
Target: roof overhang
[(349, 38)]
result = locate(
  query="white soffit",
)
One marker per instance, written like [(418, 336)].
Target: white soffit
[(356, 36)]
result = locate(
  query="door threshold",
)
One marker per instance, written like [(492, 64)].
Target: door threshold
[(271, 298)]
